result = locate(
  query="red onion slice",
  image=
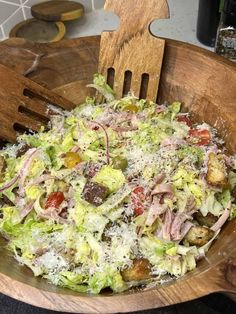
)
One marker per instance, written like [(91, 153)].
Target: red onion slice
[(25, 168), (9, 184), (106, 139), (163, 188), (27, 209)]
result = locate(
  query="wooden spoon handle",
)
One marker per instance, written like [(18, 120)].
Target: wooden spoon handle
[(131, 47)]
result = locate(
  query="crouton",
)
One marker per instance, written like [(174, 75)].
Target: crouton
[(140, 270), (94, 193), (233, 193), (199, 235), (209, 220), (216, 172), (3, 166)]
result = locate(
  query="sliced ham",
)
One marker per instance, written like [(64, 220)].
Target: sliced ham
[(155, 210), (26, 209), (157, 180), (163, 188), (107, 117), (191, 203), (166, 229), (223, 218), (134, 121), (40, 179), (187, 225), (179, 219), (122, 129), (159, 233), (160, 108), (54, 216), (175, 226), (172, 143)]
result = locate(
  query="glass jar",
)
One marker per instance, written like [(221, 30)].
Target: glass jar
[(226, 35), (208, 21)]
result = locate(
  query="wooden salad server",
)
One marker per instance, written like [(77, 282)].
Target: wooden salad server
[(23, 104), (130, 57)]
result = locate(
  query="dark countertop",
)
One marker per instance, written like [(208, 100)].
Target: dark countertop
[(212, 304)]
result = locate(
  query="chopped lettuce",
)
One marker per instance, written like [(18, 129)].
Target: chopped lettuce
[(224, 198), (99, 83), (232, 179), (72, 280), (86, 248), (195, 154), (182, 176), (155, 249), (94, 222), (10, 223), (148, 137), (211, 205), (33, 192), (233, 211), (113, 179), (68, 141)]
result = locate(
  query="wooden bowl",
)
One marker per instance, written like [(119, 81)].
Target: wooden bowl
[(206, 84)]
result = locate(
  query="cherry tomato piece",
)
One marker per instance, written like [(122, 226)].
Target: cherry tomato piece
[(137, 199), (184, 119), (139, 191), (138, 211), (71, 159), (54, 200), (202, 137)]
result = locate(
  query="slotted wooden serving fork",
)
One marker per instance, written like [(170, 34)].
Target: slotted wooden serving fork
[(24, 104), (130, 58)]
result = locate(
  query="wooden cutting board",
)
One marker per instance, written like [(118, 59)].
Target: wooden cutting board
[(57, 10), (39, 31)]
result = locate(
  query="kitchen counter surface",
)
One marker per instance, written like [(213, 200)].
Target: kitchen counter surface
[(213, 304), (181, 25)]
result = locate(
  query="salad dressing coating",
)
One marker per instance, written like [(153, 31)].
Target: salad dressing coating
[(115, 195)]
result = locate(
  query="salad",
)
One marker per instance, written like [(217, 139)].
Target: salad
[(115, 195)]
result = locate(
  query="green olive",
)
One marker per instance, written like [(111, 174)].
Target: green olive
[(131, 108), (119, 162)]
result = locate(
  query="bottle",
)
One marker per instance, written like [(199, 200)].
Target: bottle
[(226, 35), (208, 21)]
